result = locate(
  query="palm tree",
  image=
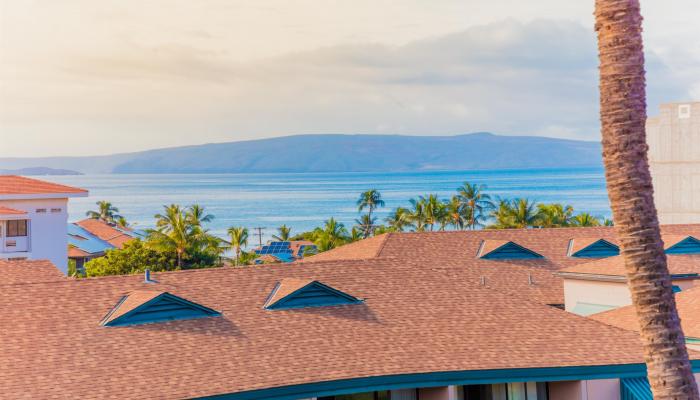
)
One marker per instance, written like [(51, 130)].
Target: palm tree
[(197, 215), (417, 215), (434, 211), (477, 202), (356, 234), (399, 219), (285, 233), (585, 219), (172, 232), (457, 214), (122, 222), (332, 235), (623, 118), (370, 199), (554, 215), (106, 212), (515, 213), (366, 225), (239, 239)]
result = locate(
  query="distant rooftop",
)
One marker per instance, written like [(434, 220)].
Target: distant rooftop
[(16, 187)]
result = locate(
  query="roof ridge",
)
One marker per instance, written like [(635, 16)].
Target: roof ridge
[(385, 240)]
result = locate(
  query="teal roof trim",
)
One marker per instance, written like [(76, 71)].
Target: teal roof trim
[(165, 307), (689, 245), (315, 294), (511, 251), (635, 389), (599, 249), (435, 379)]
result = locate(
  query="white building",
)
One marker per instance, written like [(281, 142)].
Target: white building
[(33, 219), (674, 157)]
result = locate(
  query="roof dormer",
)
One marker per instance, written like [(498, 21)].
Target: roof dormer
[(301, 293), (505, 250), (151, 306), (679, 244), (592, 248)]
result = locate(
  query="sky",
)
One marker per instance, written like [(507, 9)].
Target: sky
[(85, 77)]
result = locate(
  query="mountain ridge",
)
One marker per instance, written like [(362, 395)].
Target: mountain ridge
[(339, 153)]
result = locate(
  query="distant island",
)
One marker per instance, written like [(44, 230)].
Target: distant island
[(340, 153), (38, 171)]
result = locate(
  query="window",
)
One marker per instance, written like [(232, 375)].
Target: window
[(55, 210), (684, 111), (17, 228), (40, 210)]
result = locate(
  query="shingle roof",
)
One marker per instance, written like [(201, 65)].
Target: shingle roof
[(463, 246), (414, 319), (360, 250), (10, 211), (18, 272), (687, 303), (615, 266), (14, 184)]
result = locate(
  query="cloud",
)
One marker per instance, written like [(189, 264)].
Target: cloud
[(536, 78)]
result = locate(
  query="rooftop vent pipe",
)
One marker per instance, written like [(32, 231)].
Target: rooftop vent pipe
[(147, 276)]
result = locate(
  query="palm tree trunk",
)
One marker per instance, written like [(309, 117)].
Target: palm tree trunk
[(623, 117)]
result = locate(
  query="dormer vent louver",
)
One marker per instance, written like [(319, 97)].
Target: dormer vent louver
[(301, 293), (151, 306), (505, 250), (682, 245), (592, 248)]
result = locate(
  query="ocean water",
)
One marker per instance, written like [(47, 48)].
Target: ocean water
[(304, 200)]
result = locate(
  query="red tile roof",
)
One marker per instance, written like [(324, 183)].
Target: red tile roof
[(74, 252), (14, 184), (105, 231), (10, 211), (615, 266), (687, 303), (414, 319), (18, 272)]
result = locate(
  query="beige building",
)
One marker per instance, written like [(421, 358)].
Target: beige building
[(674, 155)]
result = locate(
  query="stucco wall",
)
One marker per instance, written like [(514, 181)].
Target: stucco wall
[(602, 292), (674, 156), (595, 292), (47, 231)]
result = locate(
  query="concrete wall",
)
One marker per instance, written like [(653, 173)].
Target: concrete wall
[(47, 230), (674, 154)]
